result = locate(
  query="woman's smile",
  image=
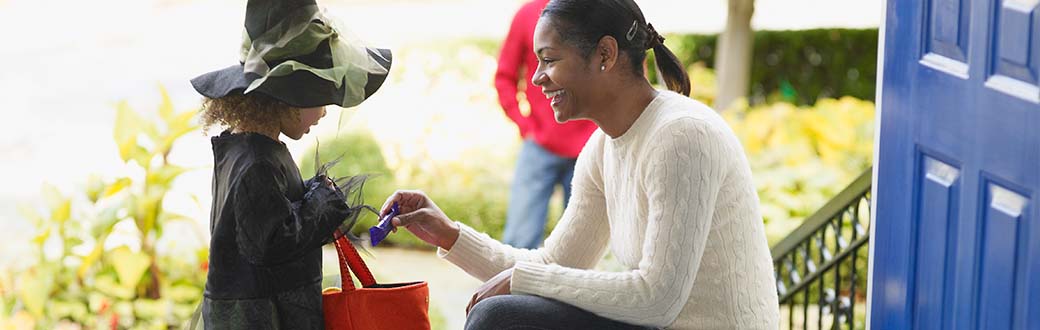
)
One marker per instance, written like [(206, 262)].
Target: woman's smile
[(557, 96)]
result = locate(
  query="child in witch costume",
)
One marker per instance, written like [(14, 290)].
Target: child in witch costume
[(267, 223)]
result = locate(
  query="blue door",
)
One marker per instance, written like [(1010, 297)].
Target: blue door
[(957, 243)]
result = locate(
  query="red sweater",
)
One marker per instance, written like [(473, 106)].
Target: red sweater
[(564, 140)]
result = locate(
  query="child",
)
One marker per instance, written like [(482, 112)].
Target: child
[(267, 223)]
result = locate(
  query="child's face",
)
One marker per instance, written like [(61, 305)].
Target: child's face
[(295, 128)]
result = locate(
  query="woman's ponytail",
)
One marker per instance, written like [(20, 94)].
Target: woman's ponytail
[(672, 71), (668, 65)]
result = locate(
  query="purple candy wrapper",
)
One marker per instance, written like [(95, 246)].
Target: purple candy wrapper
[(378, 232)]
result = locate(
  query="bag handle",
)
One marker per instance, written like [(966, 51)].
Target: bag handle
[(350, 260)]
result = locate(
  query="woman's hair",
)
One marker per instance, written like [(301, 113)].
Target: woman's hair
[(253, 111), (583, 23)]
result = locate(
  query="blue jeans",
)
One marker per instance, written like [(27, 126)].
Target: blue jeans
[(516, 312), (538, 171)]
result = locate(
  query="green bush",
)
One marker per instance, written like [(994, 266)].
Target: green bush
[(801, 156), (127, 286), (798, 66)]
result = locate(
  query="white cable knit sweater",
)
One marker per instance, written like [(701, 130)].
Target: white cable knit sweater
[(674, 200)]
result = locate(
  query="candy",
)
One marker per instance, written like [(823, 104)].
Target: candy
[(378, 232)]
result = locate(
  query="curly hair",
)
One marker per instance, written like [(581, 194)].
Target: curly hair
[(253, 111)]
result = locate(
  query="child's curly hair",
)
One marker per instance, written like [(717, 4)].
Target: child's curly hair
[(253, 111)]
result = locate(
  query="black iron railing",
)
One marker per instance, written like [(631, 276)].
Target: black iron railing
[(821, 267)]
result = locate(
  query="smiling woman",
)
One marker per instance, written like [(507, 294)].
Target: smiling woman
[(576, 44), (664, 184)]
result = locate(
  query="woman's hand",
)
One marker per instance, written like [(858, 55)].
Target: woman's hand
[(498, 285), (423, 218)]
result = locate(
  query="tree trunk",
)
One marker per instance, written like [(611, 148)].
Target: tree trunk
[(733, 60)]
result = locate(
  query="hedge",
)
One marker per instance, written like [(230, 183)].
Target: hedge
[(798, 66)]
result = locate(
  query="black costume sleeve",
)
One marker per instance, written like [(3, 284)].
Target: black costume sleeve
[(271, 228)]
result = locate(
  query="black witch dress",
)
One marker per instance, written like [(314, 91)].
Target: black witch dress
[(267, 226)]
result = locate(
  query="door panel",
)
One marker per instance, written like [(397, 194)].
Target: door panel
[(954, 243), (935, 235)]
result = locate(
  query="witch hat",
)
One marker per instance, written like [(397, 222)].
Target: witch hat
[(293, 52)]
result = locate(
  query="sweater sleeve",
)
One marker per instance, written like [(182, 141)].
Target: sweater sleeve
[(578, 241), (271, 229), (510, 59), (684, 174)]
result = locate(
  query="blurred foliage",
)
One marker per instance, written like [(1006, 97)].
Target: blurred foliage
[(797, 66), (801, 156), (80, 281)]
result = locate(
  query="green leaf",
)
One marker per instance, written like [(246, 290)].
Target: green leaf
[(42, 236), (93, 257), (61, 213), (72, 241), (177, 127), (127, 148), (60, 309), (164, 175), (117, 186), (203, 254), (183, 311), (183, 293), (96, 301), (166, 107), (129, 265), (95, 186), (142, 157), (183, 122), (106, 221), (127, 127), (34, 288), (107, 284), (167, 217), (146, 211), (152, 132), (150, 309)]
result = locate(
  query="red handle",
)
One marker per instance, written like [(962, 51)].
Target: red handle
[(350, 260)]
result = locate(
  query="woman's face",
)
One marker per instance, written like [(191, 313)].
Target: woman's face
[(296, 126), (564, 75)]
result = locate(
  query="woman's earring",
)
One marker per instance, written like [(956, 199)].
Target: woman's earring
[(603, 67)]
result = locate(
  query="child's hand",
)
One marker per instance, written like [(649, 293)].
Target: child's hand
[(421, 216)]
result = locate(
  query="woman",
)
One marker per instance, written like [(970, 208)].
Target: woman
[(664, 184)]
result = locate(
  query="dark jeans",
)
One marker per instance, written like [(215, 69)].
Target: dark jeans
[(516, 312)]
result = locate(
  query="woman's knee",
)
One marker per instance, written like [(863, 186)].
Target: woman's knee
[(491, 313), (515, 312)]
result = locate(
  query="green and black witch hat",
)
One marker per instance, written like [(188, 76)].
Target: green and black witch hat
[(295, 53)]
